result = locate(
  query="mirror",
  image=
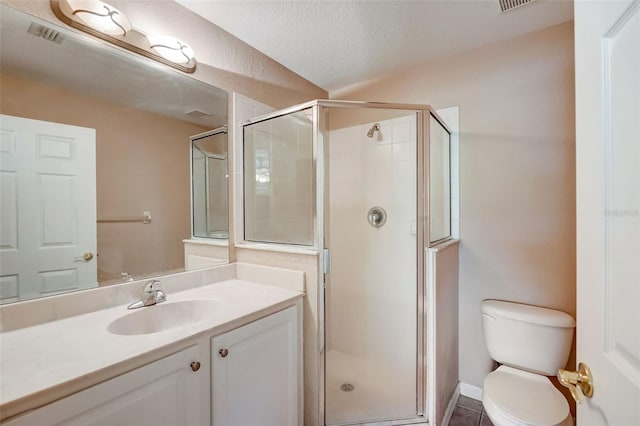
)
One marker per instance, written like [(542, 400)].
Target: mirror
[(95, 161)]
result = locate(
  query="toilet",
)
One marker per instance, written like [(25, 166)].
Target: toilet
[(530, 343)]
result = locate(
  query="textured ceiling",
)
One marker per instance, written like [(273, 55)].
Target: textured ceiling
[(336, 44)]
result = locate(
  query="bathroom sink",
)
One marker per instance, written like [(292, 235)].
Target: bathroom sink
[(164, 316)]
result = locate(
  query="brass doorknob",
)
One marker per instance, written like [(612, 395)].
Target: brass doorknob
[(85, 257), (579, 382)]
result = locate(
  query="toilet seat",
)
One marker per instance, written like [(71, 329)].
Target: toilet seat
[(519, 398)]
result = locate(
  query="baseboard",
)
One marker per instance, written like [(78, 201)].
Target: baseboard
[(471, 391), (452, 406)]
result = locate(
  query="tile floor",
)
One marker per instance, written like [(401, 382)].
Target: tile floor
[(469, 412)]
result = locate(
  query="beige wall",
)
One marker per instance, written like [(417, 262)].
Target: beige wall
[(136, 151), (517, 172)]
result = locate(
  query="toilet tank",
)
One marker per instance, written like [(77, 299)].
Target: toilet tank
[(527, 337)]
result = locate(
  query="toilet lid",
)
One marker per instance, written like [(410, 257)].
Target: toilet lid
[(524, 397)]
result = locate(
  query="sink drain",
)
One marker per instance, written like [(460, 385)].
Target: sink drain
[(347, 387)]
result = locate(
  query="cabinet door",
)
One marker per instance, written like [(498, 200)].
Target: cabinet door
[(256, 373), (165, 392)]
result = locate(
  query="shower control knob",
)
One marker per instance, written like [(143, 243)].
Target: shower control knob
[(223, 352), (377, 217)]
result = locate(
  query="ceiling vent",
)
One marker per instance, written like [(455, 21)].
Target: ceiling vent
[(196, 113), (45, 33), (506, 5)]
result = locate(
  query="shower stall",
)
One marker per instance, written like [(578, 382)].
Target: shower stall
[(367, 185)]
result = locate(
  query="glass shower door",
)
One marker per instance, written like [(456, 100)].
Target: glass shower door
[(371, 290)]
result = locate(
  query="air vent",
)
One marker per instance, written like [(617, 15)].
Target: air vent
[(45, 33), (506, 5), (197, 114)]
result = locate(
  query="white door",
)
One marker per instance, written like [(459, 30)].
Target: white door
[(257, 373), (607, 49), (48, 208)]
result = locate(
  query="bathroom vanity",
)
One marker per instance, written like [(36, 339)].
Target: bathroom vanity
[(223, 353)]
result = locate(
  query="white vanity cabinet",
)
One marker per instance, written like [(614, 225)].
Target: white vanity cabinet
[(248, 376), (164, 392), (256, 373)]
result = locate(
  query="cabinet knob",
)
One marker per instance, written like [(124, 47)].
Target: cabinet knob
[(223, 352), (195, 366)]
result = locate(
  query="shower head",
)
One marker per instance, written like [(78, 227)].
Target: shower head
[(374, 128)]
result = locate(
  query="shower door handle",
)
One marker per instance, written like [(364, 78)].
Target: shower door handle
[(326, 261)]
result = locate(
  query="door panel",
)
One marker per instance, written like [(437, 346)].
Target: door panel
[(608, 207), (256, 373), (48, 213), (164, 392), (57, 205)]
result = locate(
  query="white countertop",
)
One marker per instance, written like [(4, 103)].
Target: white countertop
[(45, 362)]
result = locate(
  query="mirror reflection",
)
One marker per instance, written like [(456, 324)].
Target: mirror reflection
[(209, 184), (94, 161)]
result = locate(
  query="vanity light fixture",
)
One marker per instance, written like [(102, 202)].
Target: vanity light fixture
[(100, 16), (104, 21), (171, 48)]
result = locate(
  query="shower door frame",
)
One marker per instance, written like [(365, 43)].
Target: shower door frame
[(424, 364)]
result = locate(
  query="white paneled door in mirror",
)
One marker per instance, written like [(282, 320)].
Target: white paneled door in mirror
[(48, 210), (608, 207)]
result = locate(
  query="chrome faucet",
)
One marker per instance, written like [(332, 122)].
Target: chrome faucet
[(151, 295)]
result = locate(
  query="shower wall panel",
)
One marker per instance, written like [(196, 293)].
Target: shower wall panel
[(278, 170)]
